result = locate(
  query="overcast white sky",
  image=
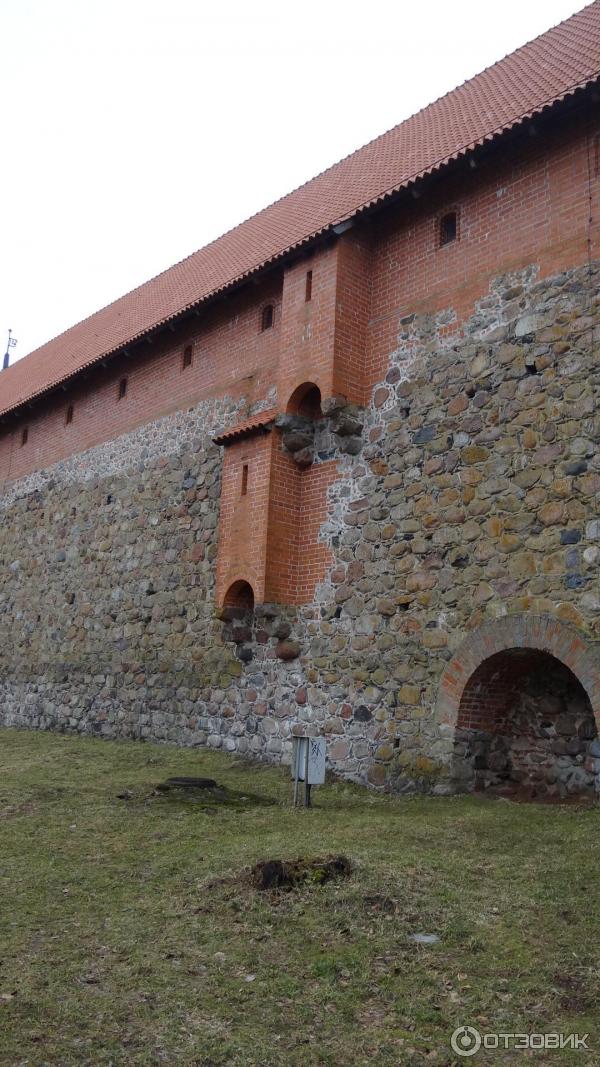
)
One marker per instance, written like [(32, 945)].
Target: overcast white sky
[(134, 131)]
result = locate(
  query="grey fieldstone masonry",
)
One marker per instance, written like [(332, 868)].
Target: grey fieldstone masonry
[(468, 493)]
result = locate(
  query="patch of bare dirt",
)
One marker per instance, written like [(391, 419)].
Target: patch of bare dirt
[(289, 874)]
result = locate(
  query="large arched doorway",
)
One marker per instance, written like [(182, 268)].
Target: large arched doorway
[(525, 725), (519, 706)]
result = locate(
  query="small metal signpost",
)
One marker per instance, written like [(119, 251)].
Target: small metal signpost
[(308, 764), (12, 341)]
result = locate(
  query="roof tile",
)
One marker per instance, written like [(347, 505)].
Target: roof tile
[(245, 429)]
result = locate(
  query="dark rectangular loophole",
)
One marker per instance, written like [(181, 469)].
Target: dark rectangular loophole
[(69, 415), (24, 436), (244, 479), (122, 388), (448, 228), (266, 320), (308, 290), (187, 356)]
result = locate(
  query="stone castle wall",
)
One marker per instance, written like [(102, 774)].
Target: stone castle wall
[(475, 496)]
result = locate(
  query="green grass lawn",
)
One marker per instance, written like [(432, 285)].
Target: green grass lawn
[(130, 933)]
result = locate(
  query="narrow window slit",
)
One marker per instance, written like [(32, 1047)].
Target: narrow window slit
[(448, 228), (308, 290), (267, 317)]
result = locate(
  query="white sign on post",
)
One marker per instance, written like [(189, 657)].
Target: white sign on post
[(317, 750), (308, 764)]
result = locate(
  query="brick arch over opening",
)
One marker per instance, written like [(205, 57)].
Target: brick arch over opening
[(305, 400), (491, 690), (540, 632), (239, 596)]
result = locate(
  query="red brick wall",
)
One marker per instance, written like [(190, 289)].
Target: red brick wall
[(230, 355), (314, 558), (268, 536), (284, 520), (296, 560), (244, 518), (352, 311), (525, 204), (323, 340), (307, 335), (490, 691)]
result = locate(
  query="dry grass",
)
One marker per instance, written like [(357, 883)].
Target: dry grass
[(129, 936)]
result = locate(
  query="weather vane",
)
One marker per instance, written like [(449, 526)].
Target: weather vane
[(12, 341)]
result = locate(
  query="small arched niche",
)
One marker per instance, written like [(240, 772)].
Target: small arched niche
[(238, 602), (306, 401)]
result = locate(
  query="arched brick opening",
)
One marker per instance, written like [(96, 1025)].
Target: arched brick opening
[(525, 723), (306, 401), (523, 696), (239, 600)]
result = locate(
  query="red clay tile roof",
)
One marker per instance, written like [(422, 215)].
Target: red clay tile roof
[(245, 429), (535, 76)]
